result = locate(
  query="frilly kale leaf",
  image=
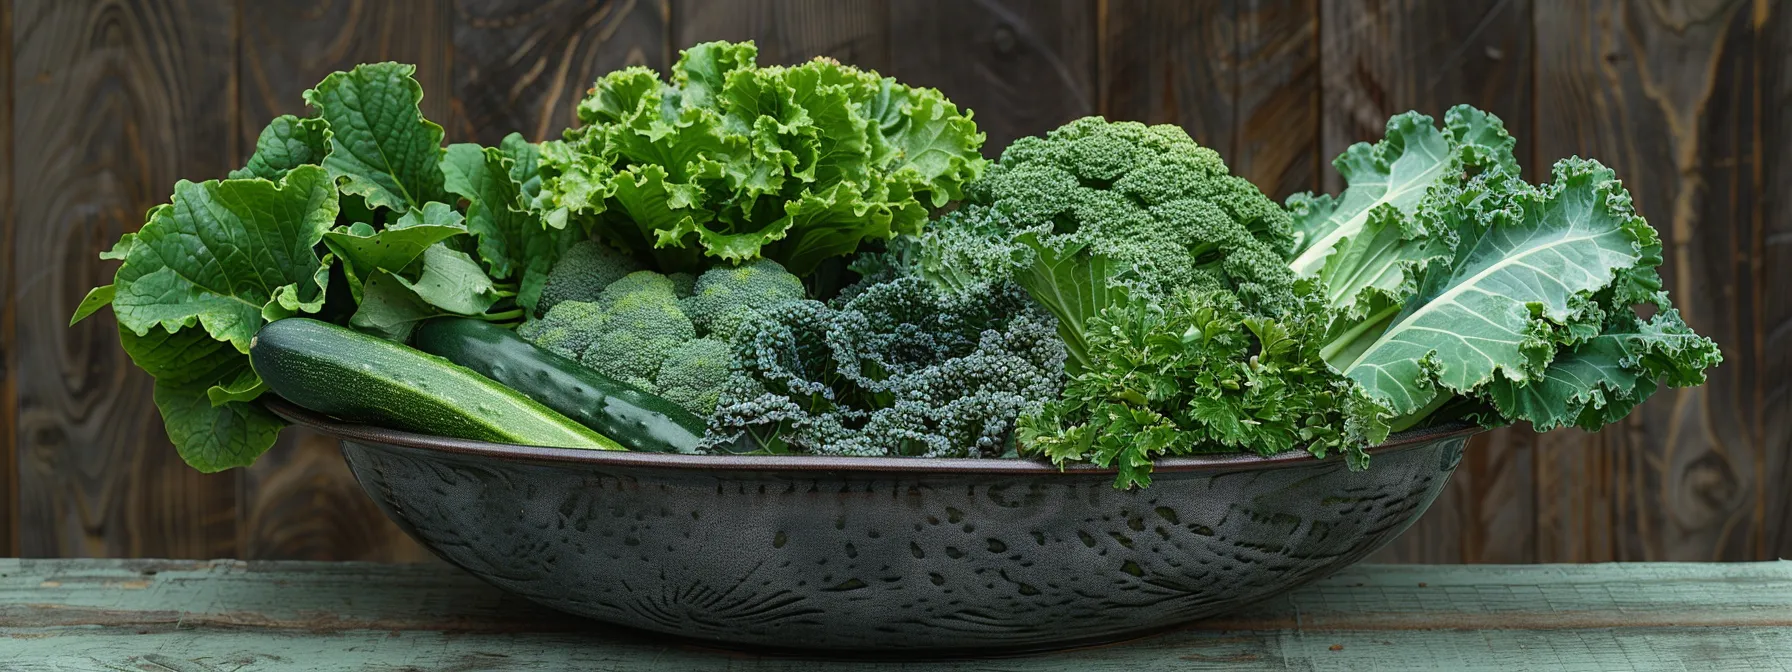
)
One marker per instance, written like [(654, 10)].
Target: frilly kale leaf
[(734, 161), (900, 369)]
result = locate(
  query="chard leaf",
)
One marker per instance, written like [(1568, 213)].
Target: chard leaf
[(1413, 160), (287, 143), (513, 241), (381, 147), (1517, 283), (224, 254)]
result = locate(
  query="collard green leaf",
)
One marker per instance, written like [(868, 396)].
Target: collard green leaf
[(224, 253), (288, 142), (381, 147), (1413, 160)]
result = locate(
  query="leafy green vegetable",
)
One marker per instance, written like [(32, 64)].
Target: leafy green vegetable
[(381, 147), (357, 193), (1395, 174), (287, 143), (900, 369), (736, 162), (201, 276), (1522, 297), (513, 241)]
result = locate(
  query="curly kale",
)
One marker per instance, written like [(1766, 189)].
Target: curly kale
[(901, 368), (1147, 197)]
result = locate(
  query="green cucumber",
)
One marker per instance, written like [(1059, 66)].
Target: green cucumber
[(638, 420), (350, 375)]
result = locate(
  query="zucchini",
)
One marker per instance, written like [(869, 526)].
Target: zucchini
[(349, 375), (638, 420)]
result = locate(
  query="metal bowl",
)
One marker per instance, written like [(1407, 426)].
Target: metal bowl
[(865, 554)]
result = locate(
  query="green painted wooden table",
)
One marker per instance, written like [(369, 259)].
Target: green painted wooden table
[(186, 616)]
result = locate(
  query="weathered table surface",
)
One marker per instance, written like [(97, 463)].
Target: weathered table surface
[(187, 616)]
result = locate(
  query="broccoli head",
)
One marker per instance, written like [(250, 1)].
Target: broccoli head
[(584, 271), (726, 295), (901, 368), (665, 334), (640, 327), (1147, 197), (693, 373)]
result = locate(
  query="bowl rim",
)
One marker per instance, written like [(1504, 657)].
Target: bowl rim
[(762, 463)]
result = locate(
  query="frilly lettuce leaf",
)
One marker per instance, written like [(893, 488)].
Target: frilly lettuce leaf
[(733, 161)]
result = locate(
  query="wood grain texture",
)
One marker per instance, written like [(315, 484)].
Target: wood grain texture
[(1029, 66), (855, 32), (1276, 141), (1172, 63), (1379, 59), (1241, 76), (9, 398), (523, 66), (280, 616), (299, 500), (1664, 94), (118, 101), (1772, 234)]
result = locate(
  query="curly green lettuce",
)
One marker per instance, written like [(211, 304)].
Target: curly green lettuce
[(733, 161)]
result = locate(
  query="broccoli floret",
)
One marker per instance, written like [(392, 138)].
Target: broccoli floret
[(682, 284), (693, 374), (640, 327), (583, 272), (567, 329), (725, 296), (1145, 196), (900, 369)]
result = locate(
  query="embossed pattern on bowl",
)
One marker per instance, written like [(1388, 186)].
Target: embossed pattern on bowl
[(860, 554)]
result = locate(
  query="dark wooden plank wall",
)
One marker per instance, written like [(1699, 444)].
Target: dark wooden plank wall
[(108, 102)]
